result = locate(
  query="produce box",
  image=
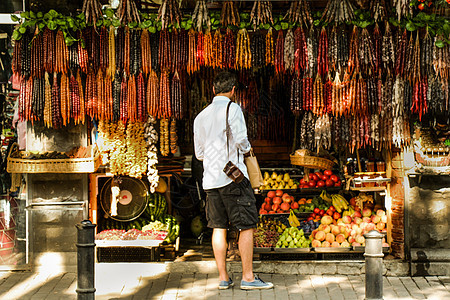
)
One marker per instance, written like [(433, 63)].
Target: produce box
[(127, 254), (332, 249)]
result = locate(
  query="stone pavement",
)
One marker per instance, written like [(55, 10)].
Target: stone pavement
[(154, 281)]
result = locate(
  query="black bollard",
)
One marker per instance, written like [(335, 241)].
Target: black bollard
[(85, 260), (374, 265)]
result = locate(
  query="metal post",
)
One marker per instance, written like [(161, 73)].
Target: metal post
[(374, 265), (85, 260)]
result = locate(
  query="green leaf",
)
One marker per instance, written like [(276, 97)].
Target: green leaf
[(99, 23), (25, 15), (316, 23), (188, 26), (266, 26), (132, 24), (22, 30), (439, 44), (52, 25), (277, 27), (16, 35), (53, 13), (152, 29), (107, 22), (183, 24), (410, 26), (81, 17), (216, 22), (32, 15), (284, 25), (446, 28), (15, 18), (116, 22), (40, 14), (109, 12), (41, 26)]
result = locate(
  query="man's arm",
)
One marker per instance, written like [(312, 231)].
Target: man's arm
[(198, 142), (239, 129)]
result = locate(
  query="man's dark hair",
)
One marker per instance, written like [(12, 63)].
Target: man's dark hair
[(224, 82)]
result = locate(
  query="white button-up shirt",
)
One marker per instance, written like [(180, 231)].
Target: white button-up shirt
[(210, 141)]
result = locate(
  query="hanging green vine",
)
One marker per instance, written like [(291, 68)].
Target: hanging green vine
[(30, 21)]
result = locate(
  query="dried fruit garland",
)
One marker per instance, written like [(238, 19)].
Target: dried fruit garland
[(230, 14), (299, 12), (169, 13), (261, 13), (243, 50)]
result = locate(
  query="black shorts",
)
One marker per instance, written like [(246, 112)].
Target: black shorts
[(234, 203)]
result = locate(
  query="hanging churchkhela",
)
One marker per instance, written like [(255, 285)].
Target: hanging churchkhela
[(289, 51), (279, 53), (299, 12), (261, 13), (128, 12), (339, 11), (169, 13), (229, 50), (92, 9), (270, 57), (200, 17), (230, 14), (300, 51)]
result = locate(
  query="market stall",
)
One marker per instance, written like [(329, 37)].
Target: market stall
[(329, 89)]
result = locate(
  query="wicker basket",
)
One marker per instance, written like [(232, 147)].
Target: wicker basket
[(69, 165), (312, 162)]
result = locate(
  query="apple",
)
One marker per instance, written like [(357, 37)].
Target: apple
[(376, 219), (318, 173), (360, 239), (357, 214), (335, 244), (335, 229), (294, 205), (326, 244), (329, 237), (316, 243), (263, 212), (324, 177), (286, 198), (267, 206), (312, 184), (277, 200), (320, 183), (333, 209), (381, 225), (355, 244), (268, 200), (271, 194), (385, 245), (326, 228), (351, 239), (279, 193), (345, 244), (313, 177), (320, 235), (336, 215), (381, 213), (366, 219), (329, 212), (370, 226), (346, 219), (321, 212), (327, 220), (271, 212), (329, 183), (340, 238), (313, 233), (357, 220), (328, 172), (366, 212), (302, 181), (352, 202), (335, 178), (384, 219), (316, 210)]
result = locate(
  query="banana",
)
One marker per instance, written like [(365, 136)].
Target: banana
[(336, 203)]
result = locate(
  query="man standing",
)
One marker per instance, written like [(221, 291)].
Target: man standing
[(227, 201)]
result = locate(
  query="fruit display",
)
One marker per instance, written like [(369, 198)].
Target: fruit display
[(131, 234), (349, 229), (293, 237), (277, 202), (308, 226), (315, 204), (267, 232), (320, 180), (278, 181)]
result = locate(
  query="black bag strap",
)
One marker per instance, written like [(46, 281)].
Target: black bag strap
[(228, 131)]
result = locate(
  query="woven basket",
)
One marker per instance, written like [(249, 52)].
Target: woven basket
[(69, 165), (312, 162)]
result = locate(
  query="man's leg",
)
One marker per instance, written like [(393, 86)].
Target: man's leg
[(246, 250), (219, 244)]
